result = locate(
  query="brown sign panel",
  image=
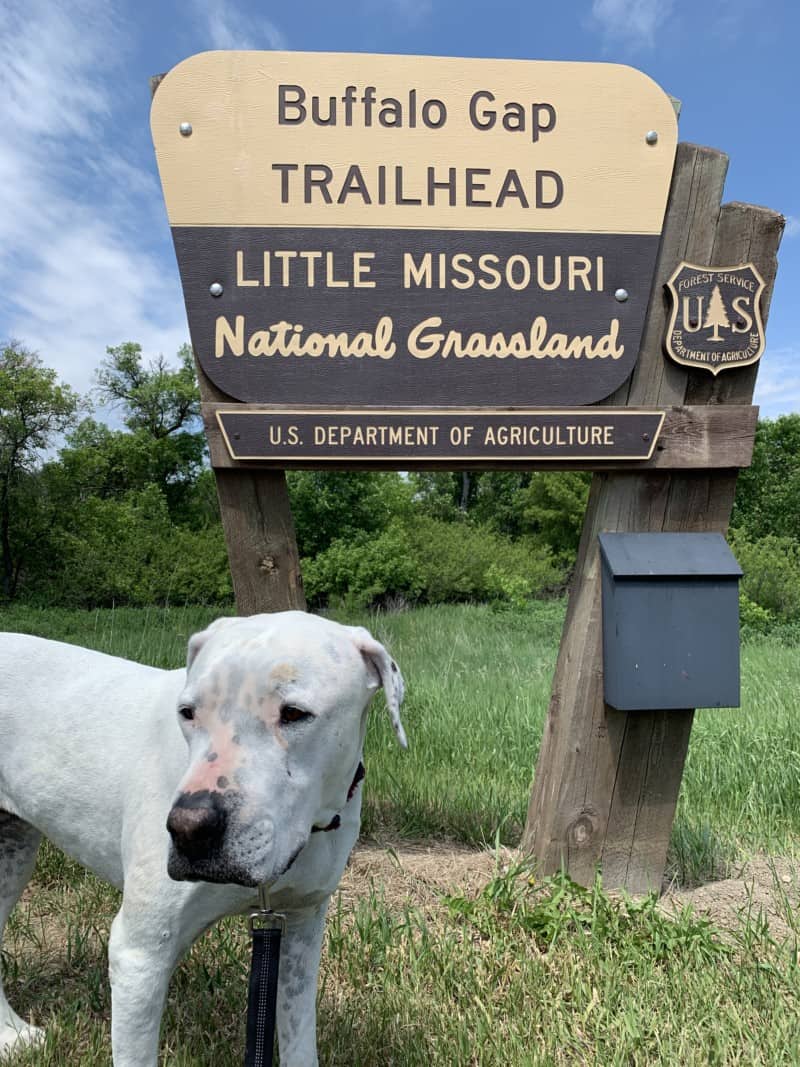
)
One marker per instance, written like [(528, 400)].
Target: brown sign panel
[(716, 316), (352, 229), (291, 436)]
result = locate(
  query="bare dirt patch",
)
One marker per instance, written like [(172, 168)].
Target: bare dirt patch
[(765, 887), (416, 874)]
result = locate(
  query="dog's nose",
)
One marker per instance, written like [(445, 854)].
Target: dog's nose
[(196, 823)]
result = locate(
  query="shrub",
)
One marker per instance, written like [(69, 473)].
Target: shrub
[(331, 505), (753, 618), (127, 551), (433, 562), (771, 578), (364, 569)]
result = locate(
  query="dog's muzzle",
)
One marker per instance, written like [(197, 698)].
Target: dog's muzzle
[(208, 843)]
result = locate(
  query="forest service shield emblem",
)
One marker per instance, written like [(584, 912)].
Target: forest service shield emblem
[(716, 316)]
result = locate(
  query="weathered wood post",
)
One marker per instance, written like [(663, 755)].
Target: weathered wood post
[(607, 781)]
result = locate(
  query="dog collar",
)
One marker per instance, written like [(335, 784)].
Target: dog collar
[(336, 821)]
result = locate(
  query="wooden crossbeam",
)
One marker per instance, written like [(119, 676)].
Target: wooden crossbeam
[(697, 436)]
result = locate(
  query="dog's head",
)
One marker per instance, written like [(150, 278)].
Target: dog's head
[(274, 713)]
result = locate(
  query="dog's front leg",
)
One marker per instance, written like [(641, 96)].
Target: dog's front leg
[(297, 987), (140, 969), (151, 932)]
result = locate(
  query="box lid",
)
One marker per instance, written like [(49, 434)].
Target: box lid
[(668, 555)]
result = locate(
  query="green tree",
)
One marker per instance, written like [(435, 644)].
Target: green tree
[(34, 408), (500, 502), (161, 405), (160, 399), (768, 491), (130, 515), (327, 505), (553, 505)]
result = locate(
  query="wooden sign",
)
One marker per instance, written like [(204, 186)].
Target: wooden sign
[(284, 436), (716, 316), (353, 230)]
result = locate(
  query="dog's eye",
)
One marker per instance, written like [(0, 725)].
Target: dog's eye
[(290, 714), (186, 712)]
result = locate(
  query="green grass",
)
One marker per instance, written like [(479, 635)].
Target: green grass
[(520, 973), (478, 689)]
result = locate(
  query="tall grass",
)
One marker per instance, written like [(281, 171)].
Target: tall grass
[(478, 685), (519, 973)]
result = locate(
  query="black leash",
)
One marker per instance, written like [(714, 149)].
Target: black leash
[(266, 928)]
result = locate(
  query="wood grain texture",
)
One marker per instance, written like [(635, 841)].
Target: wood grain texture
[(689, 228), (258, 524), (692, 437), (262, 548), (607, 782), (647, 783)]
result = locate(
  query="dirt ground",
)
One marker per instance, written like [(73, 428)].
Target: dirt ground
[(418, 874), (765, 886)]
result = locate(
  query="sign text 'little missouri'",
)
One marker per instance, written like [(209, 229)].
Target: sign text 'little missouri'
[(419, 231)]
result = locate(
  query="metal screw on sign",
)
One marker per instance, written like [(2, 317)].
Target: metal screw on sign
[(186, 129), (621, 295), (651, 137), (215, 289)]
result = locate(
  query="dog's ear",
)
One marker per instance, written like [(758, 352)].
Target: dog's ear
[(384, 672), (196, 641)]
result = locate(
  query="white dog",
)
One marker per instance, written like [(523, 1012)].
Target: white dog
[(273, 709)]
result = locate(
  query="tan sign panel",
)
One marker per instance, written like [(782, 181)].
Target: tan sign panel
[(357, 229), (469, 144)]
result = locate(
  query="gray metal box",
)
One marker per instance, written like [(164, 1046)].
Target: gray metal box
[(670, 621)]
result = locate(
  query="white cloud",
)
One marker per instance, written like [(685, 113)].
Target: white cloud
[(44, 47), (792, 226), (229, 29), (73, 248), (634, 22), (778, 384)]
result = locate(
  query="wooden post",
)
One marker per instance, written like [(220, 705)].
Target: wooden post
[(258, 524), (607, 781)]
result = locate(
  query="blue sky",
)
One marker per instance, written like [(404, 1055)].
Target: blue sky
[(85, 248)]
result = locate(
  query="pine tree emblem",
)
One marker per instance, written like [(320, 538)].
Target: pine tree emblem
[(716, 315)]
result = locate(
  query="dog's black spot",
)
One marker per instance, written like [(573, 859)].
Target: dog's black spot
[(211, 757), (293, 857), (334, 824), (222, 782), (236, 740), (357, 777), (394, 666)]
